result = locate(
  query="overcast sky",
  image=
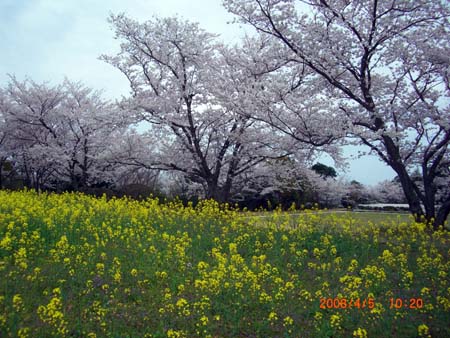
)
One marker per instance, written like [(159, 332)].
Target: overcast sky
[(48, 40)]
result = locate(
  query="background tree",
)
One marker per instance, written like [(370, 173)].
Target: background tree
[(30, 112), (59, 134), (388, 192), (327, 192), (272, 183), (324, 170), (4, 144), (356, 193), (385, 66)]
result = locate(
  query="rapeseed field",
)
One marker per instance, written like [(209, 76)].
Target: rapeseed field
[(77, 266)]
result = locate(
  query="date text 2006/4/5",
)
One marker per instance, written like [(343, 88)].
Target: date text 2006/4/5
[(347, 303)]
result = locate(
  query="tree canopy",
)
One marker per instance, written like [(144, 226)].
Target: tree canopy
[(384, 65)]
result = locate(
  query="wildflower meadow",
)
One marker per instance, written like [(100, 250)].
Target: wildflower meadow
[(78, 266)]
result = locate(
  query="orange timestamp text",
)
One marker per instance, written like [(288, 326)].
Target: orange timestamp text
[(347, 303)]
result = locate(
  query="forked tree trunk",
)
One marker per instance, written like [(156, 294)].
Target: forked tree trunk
[(431, 216)]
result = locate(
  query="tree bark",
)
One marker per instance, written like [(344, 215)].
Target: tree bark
[(1, 175), (430, 198), (442, 214), (396, 163)]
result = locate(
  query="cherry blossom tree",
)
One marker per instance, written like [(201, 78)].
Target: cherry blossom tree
[(388, 192), (188, 87), (356, 193), (91, 124), (328, 192), (60, 133), (4, 139), (385, 67), (24, 109), (278, 92)]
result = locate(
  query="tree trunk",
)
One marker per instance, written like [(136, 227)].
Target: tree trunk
[(411, 196), (211, 189), (27, 180), (226, 190), (405, 180), (430, 198), (442, 214), (219, 194), (215, 193), (84, 175)]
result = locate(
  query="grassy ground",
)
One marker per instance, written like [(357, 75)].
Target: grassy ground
[(76, 266), (359, 217)]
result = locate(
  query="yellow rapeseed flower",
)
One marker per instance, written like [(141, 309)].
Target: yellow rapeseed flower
[(360, 333), (423, 330), (17, 302), (335, 321), (273, 317)]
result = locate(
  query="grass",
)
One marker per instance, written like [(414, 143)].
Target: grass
[(359, 217), (76, 266), (375, 217)]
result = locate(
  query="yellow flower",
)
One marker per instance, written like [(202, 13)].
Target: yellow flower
[(353, 265), (100, 268), (23, 332), (21, 258), (287, 321), (17, 302), (360, 333), (316, 253), (318, 316), (202, 266), (264, 297), (52, 314), (233, 248), (6, 241), (175, 334), (161, 274), (183, 307), (333, 250), (423, 330), (424, 291), (335, 321), (117, 276), (167, 295), (273, 316), (134, 272), (204, 320), (289, 286)]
